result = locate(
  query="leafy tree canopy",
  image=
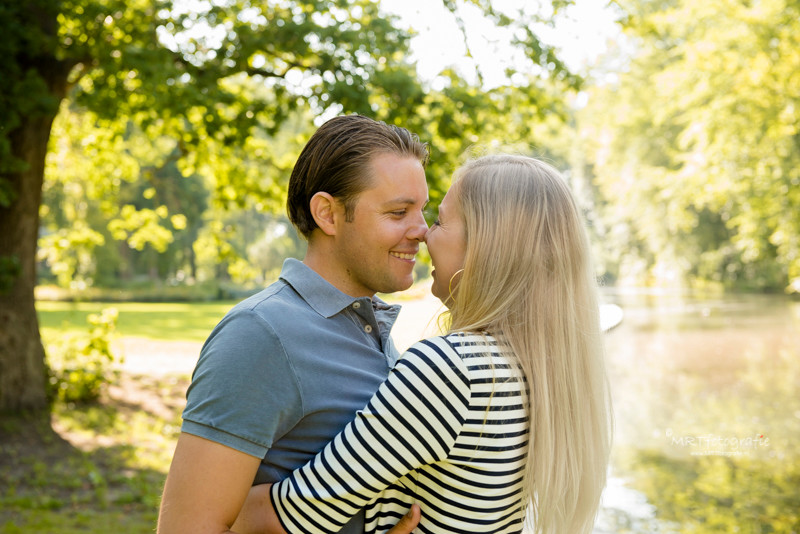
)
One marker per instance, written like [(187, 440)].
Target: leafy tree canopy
[(221, 92), (697, 144)]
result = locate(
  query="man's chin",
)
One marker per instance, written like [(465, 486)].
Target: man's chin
[(399, 285)]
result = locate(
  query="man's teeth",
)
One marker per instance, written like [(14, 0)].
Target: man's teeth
[(402, 256)]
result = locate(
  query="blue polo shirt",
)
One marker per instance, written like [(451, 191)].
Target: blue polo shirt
[(286, 370)]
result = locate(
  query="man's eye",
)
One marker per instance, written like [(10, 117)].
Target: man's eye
[(398, 213), (436, 222)]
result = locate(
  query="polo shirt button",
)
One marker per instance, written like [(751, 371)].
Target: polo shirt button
[(356, 305), (368, 329)]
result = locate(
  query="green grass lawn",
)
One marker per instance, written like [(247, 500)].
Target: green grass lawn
[(189, 321)]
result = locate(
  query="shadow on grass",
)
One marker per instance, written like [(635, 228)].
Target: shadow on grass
[(90, 469)]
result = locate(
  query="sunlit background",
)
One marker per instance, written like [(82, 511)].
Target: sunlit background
[(676, 123)]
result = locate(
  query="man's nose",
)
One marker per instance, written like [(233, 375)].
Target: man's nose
[(419, 229)]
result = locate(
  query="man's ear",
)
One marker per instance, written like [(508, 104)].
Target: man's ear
[(325, 211)]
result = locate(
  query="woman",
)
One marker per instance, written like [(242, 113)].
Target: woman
[(507, 415)]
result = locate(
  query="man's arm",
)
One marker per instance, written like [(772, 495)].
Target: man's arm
[(257, 515), (206, 487)]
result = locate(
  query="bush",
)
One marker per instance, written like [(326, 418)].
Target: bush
[(80, 364)]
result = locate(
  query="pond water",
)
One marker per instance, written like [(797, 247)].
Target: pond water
[(707, 414)]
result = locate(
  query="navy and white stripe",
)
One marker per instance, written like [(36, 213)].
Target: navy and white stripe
[(447, 430)]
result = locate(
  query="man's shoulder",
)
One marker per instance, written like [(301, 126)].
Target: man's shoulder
[(270, 316), (276, 304), (278, 293)]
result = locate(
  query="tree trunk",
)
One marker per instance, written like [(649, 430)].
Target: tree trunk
[(22, 364), (23, 385), (192, 262)]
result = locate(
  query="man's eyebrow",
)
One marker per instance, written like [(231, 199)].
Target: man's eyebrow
[(404, 200)]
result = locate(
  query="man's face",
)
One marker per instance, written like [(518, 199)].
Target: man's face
[(377, 248)]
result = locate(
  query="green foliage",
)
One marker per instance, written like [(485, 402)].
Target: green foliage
[(213, 89), (280, 241), (69, 252), (696, 144), (23, 93), (176, 116), (143, 227), (80, 364)]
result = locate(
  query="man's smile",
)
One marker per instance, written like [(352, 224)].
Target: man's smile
[(403, 255)]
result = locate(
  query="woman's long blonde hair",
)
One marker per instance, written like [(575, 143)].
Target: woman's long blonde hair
[(528, 278)]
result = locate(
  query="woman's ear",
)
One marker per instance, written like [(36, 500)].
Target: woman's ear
[(324, 209)]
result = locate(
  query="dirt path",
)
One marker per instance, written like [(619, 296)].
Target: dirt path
[(142, 356)]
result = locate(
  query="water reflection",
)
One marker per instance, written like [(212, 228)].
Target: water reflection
[(707, 414)]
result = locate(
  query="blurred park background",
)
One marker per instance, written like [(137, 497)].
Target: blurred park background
[(145, 148)]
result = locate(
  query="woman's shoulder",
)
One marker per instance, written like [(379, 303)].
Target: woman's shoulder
[(435, 351), (456, 346)]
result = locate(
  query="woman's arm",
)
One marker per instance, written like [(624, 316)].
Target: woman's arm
[(258, 515), (413, 419)]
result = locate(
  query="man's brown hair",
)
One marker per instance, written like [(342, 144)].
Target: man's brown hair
[(336, 161)]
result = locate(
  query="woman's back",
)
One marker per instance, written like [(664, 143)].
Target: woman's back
[(450, 422)]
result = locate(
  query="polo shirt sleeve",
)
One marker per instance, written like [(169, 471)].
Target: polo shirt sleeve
[(412, 420), (244, 392)]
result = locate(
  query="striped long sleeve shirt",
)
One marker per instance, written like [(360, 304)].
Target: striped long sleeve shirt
[(447, 430)]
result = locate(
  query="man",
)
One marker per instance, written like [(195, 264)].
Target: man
[(286, 369)]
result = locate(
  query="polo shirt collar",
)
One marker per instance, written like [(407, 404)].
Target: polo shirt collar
[(323, 297)]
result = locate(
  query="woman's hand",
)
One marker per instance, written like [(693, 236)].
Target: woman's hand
[(258, 515), (408, 522)]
